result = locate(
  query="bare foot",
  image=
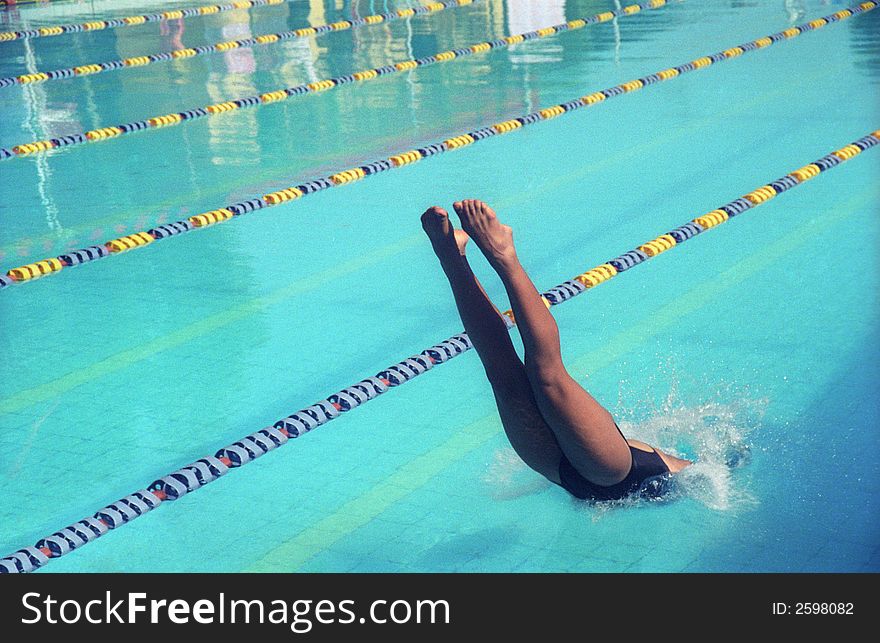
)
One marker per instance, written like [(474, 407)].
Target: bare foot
[(493, 237), (446, 240)]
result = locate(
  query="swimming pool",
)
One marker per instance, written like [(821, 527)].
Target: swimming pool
[(754, 346)]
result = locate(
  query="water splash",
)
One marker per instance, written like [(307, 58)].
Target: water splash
[(508, 477), (713, 430), (714, 435)]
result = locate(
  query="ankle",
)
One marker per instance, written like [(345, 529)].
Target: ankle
[(453, 264), (506, 264)]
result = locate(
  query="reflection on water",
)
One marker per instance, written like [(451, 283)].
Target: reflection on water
[(528, 16), (221, 84), (796, 10), (37, 120), (278, 145), (397, 112), (523, 17), (865, 45)]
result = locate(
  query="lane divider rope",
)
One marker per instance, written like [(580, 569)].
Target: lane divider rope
[(132, 21), (11, 3), (142, 239), (209, 468), (274, 96), (90, 69)]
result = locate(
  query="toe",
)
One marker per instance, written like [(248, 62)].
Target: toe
[(433, 215)]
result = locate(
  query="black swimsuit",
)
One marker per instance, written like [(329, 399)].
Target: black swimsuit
[(645, 478)]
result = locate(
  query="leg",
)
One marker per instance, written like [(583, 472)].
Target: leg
[(526, 429), (584, 430)]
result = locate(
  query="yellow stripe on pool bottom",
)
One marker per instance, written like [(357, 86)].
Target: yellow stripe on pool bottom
[(123, 359), (42, 392), (358, 512)]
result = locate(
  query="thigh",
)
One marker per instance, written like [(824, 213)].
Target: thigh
[(584, 430), (526, 429)]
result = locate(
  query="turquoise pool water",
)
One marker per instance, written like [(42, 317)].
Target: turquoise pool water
[(755, 343)]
